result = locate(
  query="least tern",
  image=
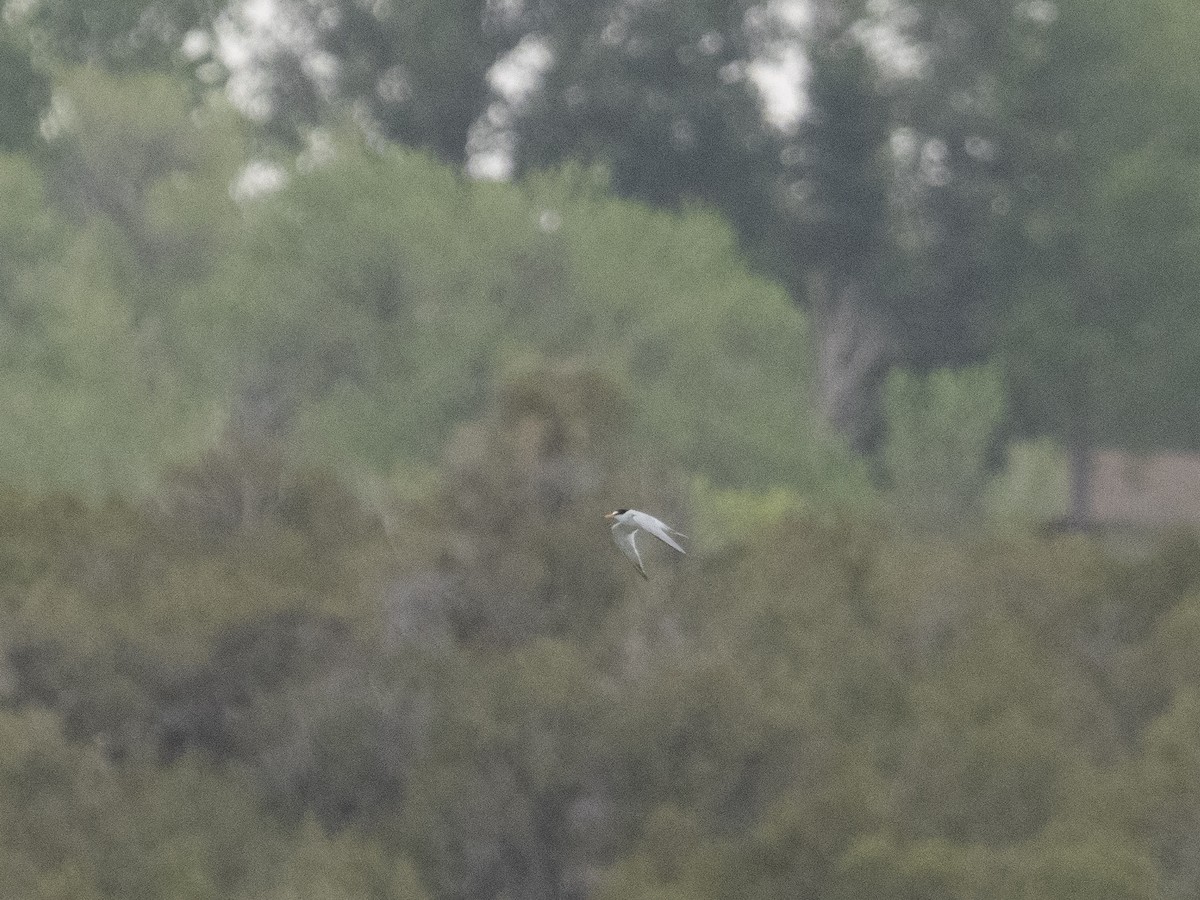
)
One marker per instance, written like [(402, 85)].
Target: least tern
[(626, 523)]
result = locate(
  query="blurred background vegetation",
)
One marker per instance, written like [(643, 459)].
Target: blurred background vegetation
[(330, 328)]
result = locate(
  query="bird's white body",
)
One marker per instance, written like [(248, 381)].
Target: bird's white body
[(627, 523)]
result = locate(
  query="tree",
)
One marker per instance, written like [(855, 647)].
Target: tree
[(24, 93), (414, 72), (941, 429), (133, 152), (76, 825), (658, 94), (378, 272), (839, 252), (119, 35), (1105, 166), (100, 249)]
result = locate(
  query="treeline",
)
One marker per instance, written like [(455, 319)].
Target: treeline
[(1011, 186), (466, 694), (304, 591), (357, 313)]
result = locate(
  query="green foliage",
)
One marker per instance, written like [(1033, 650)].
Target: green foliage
[(87, 402), (348, 623), (24, 91), (135, 152), (941, 428), (658, 95), (362, 311), (1098, 257), (1031, 489), (104, 387), (114, 34), (720, 359), (27, 235), (343, 867), (480, 697), (731, 516), (383, 291), (76, 825)]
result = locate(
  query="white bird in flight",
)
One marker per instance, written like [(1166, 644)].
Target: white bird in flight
[(626, 523)]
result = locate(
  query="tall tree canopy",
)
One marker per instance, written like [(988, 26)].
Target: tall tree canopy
[(956, 191), (116, 34), (24, 92)]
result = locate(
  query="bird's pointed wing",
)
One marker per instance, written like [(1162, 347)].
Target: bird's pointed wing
[(626, 538), (659, 529)]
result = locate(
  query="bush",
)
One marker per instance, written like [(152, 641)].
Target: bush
[(940, 431)]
